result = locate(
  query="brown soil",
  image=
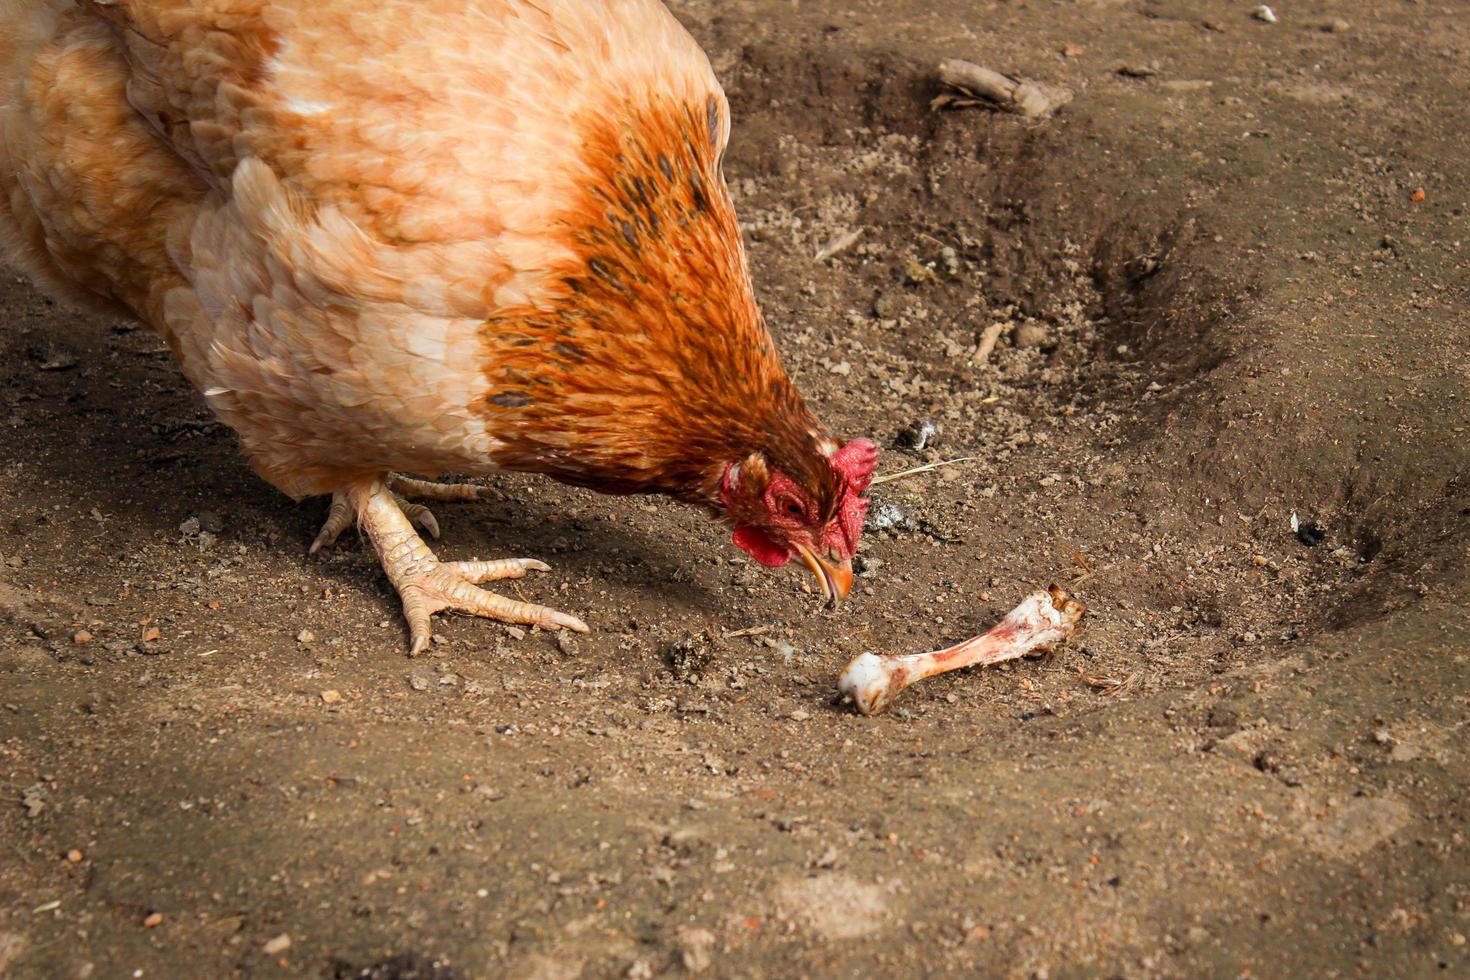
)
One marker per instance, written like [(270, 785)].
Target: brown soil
[(1223, 306)]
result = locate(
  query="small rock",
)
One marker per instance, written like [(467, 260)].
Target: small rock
[(566, 644), (1264, 14), (151, 634), (306, 637), (917, 273), (190, 527), (516, 633), (420, 681), (1030, 335), (331, 697), (153, 920), (950, 259), (81, 637), (890, 517), (277, 945), (34, 800), (888, 305), (75, 856), (1336, 26), (800, 715), (691, 656), (695, 949), (918, 436), (210, 521)]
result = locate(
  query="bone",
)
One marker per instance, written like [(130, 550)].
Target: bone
[(1043, 621)]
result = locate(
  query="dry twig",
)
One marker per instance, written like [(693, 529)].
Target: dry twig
[(838, 244), (987, 343), (921, 469), (974, 85)]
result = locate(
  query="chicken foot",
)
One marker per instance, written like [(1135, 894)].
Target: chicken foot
[(1041, 622), (405, 489), (427, 585)]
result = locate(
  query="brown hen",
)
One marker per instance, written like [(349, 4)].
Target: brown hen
[(425, 237)]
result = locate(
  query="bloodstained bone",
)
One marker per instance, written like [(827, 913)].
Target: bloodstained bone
[(1041, 622)]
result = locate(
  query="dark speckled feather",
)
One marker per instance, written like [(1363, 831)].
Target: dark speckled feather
[(655, 369)]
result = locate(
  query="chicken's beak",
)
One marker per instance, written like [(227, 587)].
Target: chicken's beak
[(835, 577)]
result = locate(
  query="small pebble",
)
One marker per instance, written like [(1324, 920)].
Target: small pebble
[(74, 856), (419, 682), (917, 436), (1337, 26), (151, 634), (566, 644), (888, 306), (950, 259), (279, 944), (1264, 14), (305, 637), (80, 637), (153, 921), (331, 697)]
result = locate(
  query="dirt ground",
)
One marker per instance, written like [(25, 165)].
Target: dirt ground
[(1225, 302)]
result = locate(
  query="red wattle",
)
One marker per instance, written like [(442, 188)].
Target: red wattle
[(760, 547)]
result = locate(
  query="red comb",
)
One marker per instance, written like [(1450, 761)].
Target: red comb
[(856, 461)]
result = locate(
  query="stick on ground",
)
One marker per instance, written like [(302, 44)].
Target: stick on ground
[(974, 85), (987, 343)]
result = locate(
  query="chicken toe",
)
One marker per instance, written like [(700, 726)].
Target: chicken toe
[(411, 489), (339, 518), (427, 586)]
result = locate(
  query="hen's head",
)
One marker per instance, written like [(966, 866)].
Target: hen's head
[(817, 515)]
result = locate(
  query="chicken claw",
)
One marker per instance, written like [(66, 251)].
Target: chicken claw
[(424, 583)]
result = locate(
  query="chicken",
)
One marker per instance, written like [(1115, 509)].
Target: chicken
[(386, 237)]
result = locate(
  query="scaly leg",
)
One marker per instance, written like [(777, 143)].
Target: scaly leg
[(424, 583), (405, 488)]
